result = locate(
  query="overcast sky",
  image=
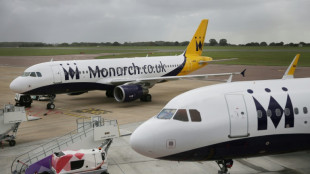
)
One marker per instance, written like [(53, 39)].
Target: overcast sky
[(238, 21)]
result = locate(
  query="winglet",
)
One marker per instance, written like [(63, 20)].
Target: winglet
[(231, 75), (289, 74), (243, 73)]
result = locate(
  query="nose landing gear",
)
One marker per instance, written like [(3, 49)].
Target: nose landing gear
[(224, 165), (51, 104), (23, 100)]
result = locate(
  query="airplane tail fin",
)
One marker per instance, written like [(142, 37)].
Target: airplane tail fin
[(196, 44), (289, 74)]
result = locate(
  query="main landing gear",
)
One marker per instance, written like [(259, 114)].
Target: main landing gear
[(109, 93), (146, 98), (224, 165), (51, 104)]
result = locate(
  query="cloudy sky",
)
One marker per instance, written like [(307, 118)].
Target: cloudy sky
[(239, 21)]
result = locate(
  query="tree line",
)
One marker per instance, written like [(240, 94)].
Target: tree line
[(212, 42)]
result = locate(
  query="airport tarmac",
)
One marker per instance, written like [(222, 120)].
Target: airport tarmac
[(124, 160)]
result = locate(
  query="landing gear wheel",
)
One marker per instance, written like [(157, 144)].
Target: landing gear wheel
[(50, 106), (12, 143), (224, 165), (146, 98), (25, 100), (109, 93)]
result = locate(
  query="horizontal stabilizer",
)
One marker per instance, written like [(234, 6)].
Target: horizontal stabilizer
[(219, 60)]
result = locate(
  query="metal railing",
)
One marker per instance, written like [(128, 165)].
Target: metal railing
[(23, 161)]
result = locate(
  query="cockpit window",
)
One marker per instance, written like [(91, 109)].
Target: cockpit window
[(39, 74), (26, 74), (181, 115), (33, 74), (195, 115), (166, 114)]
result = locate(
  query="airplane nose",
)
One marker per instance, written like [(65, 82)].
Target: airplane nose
[(15, 86), (142, 141)]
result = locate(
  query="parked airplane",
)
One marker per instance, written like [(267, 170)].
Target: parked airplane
[(125, 79), (230, 120)]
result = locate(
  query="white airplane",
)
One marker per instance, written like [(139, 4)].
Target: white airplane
[(125, 79), (230, 120)]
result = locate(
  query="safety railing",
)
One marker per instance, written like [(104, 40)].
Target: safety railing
[(84, 129)]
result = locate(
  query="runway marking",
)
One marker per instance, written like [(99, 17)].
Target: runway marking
[(41, 112), (93, 111), (67, 112), (75, 115)]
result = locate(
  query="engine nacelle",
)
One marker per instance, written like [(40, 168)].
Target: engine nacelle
[(128, 93)]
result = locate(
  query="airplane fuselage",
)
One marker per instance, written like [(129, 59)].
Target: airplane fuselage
[(85, 75), (230, 120)]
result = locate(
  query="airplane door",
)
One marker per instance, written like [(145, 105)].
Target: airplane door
[(238, 115), (56, 74)]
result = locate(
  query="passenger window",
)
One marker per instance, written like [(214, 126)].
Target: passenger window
[(166, 114), (33, 74), (181, 115), (287, 111), (77, 164), (39, 74), (195, 115), (259, 114), (305, 110), (296, 111), (269, 113), (278, 112)]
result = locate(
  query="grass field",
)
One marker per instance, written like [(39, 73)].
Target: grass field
[(281, 56), (270, 56), (51, 51)]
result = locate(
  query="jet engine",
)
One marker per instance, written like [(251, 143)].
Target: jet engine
[(128, 93)]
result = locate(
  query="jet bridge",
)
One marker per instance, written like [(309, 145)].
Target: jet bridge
[(10, 118)]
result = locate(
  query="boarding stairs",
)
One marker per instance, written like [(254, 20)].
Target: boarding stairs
[(97, 127), (10, 118)]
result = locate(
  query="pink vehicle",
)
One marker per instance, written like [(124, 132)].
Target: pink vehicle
[(80, 161)]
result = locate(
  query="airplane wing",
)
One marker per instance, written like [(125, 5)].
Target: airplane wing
[(289, 74), (153, 80)]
